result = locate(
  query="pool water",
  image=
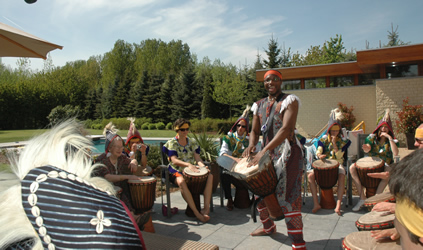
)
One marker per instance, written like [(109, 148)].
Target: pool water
[(100, 144)]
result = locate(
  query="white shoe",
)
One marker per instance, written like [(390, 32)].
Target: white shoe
[(357, 207)]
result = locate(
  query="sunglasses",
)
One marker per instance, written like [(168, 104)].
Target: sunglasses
[(239, 125), (183, 129)]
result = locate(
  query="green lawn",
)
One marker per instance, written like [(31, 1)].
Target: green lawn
[(24, 135)]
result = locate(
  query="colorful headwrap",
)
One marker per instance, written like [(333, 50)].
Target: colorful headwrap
[(244, 117), (273, 72), (386, 120), (410, 216), (133, 132), (110, 136), (419, 133)]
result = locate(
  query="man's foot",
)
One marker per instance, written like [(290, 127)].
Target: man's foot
[(204, 218), (260, 232), (205, 211), (357, 207), (316, 208), (230, 205)]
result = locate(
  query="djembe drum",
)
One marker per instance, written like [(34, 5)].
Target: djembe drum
[(196, 182), (261, 179), (326, 173), (382, 197), (364, 240), (147, 171), (369, 165), (143, 193), (375, 220)]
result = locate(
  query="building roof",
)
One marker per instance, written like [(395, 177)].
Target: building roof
[(368, 61)]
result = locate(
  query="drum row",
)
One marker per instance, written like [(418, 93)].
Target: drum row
[(372, 221)]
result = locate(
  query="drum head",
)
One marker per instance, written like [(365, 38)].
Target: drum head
[(242, 168), (376, 217), (369, 162), (328, 163), (202, 172), (143, 179), (379, 198), (364, 240)]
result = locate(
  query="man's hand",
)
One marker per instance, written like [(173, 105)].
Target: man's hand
[(247, 152), (133, 166), (390, 233), (381, 175), (366, 148), (193, 168), (322, 157), (384, 206), (254, 161)]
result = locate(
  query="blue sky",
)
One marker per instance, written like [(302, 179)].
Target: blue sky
[(232, 31)]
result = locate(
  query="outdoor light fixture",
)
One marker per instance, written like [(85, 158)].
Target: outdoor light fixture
[(30, 1)]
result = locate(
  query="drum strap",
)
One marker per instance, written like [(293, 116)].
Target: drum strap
[(270, 112)]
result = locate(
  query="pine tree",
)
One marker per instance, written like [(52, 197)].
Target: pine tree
[(273, 54)]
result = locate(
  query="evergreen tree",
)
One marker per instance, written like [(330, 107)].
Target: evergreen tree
[(273, 54)]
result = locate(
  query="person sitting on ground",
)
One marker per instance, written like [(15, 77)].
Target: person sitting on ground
[(184, 152), (381, 143), (392, 233), (118, 168), (406, 184), (331, 146), (50, 199), (233, 146), (134, 146)]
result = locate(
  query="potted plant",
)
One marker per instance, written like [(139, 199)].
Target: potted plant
[(409, 118), (209, 145)]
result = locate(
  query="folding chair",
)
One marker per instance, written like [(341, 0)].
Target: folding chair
[(166, 181)]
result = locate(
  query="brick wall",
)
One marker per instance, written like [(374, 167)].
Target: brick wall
[(369, 102)]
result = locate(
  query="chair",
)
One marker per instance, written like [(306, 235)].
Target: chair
[(166, 181)]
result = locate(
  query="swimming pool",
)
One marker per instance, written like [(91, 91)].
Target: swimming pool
[(100, 142)]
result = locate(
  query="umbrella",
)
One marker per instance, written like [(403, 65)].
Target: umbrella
[(17, 43)]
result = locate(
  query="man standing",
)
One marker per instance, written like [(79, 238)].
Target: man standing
[(275, 117)]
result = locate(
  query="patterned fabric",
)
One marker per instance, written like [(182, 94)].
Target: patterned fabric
[(68, 212), (326, 147), (122, 168), (235, 145), (184, 153), (286, 158), (384, 151)]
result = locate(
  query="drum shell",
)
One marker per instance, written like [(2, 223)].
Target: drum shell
[(367, 181), (143, 194), (196, 184), (375, 221), (382, 197), (326, 177), (364, 240)]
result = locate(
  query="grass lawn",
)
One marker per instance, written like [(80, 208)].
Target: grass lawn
[(24, 135), (4, 167)]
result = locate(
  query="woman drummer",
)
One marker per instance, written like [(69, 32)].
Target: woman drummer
[(381, 143), (184, 152), (331, 146), (134, 146)]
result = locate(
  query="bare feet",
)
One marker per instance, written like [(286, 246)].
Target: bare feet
[(260, 232), (338, 211), (205, 211), (316, 208), (204, 218)]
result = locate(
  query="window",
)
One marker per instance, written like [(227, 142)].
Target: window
[(405, 70), (291, 84), (315, 83), (341, 81), (368, 79)]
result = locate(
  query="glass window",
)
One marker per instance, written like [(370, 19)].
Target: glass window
[(368, 79), (393, 71), (315, 83), (292, 84), (341, 81)]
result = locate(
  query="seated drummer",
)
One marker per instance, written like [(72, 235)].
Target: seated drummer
[(233, 146), (381, 143), (184, 152), (331, 146), (135, 147), (117, 166)]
